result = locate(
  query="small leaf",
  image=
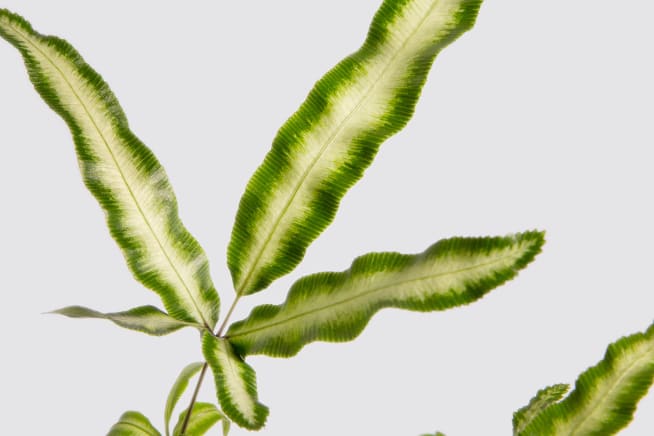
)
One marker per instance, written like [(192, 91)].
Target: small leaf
[(133, 424), (146, 319), (122, 173), (325, 147), (605, 395), (236, 383), (335, 307), (178, 389), (543, 399), (203, 417)]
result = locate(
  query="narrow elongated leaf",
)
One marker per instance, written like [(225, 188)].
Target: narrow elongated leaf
[(337, 306), (133, 424), (324, 148), (543, 399), (146, 319), (178, 389), (122, 173), (236, 383), (204, 416), (605, 395)]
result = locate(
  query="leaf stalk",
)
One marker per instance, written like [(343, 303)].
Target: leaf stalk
[(187, 418)]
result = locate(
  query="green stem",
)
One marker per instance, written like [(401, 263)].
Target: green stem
[(229, 314), (187, 418), (203, 371)]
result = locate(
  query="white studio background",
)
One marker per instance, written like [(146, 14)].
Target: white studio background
[(540, 117)]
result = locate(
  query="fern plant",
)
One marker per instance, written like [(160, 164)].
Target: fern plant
[(321, 151)]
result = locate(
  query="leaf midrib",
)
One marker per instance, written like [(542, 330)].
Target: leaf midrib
[(327, 145), (360, 295), (118, 168)]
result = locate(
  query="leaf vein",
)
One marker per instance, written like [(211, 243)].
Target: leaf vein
[(328, 143), (121, 173), (363, 294)]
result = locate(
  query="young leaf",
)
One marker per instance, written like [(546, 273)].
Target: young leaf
[(204, 416), (146, 319), (324, 148), (605, 395), (178, 389), (543, 399), (236, 383), (336, 307), (133, 424), (122, 173)]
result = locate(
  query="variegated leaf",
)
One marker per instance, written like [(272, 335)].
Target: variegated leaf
[(178, 389), (337, 306), (146, 319), (203, 417), (236, 384), (324, 148), (605, 395), (543, 399), (122, 173), (133, 424)]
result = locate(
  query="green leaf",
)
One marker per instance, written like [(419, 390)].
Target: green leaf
[(236, 383), (543, 399), (336, 307), (122, 173), (178, 389), (133, 424), (324, 148), (605, 395), (146, 319), (203, 417)]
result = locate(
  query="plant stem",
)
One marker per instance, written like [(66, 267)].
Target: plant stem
[(203, 371), (229, 314), (187, 418)]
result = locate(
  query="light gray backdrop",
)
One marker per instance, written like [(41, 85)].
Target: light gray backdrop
[(540, 117)]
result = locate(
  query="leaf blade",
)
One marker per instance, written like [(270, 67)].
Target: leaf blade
[(178, 388), (133, 424), (336, 307), (605, 395), (324, 148), (145, 319), (122, 173), (543, 399), (235, 384), (203, 417)]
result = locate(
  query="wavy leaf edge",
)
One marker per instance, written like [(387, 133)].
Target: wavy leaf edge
[(256, 259), (117, 168), (262, 332), (235, 382), (619, 397)]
